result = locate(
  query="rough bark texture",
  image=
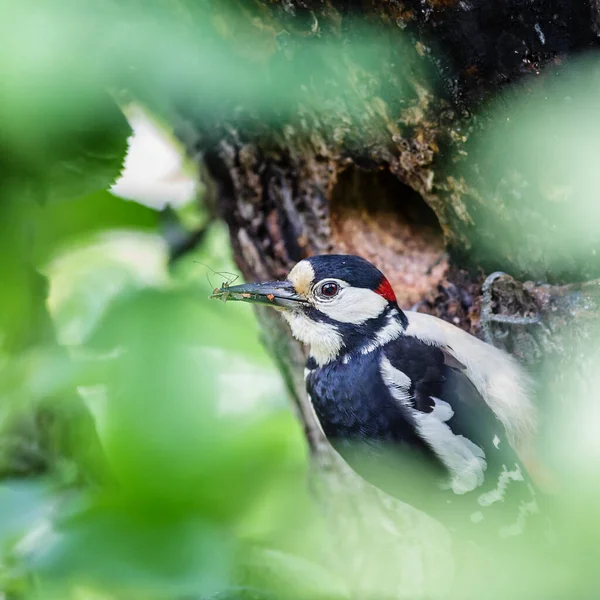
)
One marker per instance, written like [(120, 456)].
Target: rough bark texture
[(389, 173)]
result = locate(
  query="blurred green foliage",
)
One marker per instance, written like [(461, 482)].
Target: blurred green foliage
[(146, 442), (536, 207), (146, 446)]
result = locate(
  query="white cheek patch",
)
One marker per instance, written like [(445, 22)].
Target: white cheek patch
[(324, 340), (353, 305), (464, 460)]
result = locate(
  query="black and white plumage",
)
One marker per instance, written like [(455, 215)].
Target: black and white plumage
[(416, 406)]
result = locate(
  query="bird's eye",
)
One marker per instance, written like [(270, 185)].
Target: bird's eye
[(329, 289)]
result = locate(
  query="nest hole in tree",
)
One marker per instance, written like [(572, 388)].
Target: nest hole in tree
[(376, 216)]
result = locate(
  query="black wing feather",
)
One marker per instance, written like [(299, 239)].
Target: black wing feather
[(435, 373)]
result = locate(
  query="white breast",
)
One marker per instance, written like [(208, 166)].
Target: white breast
[(500, 380)]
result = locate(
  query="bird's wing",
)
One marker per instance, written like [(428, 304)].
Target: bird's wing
[(503, 384), (451, 416), (449, 413)]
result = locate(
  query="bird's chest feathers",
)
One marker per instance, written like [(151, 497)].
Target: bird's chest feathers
[(350, 399), (370, 399)]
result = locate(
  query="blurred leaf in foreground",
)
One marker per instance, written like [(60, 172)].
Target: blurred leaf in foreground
[(65, 135), (164, 414), (123, 548), (537, 163), (62, 225), (21, 505)]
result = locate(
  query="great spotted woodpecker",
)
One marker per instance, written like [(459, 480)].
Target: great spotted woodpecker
[(396, 391)]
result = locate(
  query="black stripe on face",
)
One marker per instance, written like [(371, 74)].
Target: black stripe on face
[(357, 335)]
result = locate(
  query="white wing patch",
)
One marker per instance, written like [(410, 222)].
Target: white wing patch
[(500, 380), (464, 460), (525, 509), (398, 382), (505, 478)]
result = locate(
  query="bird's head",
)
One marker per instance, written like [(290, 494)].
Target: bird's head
[(334, 303)]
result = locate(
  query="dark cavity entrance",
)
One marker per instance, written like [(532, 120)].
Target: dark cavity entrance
[(376, 216)]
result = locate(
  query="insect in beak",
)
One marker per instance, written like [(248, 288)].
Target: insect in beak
[(280, 294)]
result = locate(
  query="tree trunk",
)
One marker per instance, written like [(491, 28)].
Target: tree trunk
[(390, 170)]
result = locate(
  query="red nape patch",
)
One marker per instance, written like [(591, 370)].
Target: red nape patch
[(385, 289)]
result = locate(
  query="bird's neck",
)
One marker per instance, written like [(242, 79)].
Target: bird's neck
[(332, 340), (376, 332)]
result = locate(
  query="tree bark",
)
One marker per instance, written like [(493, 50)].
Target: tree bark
[(389, 172)]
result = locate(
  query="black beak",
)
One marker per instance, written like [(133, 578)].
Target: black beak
[(272, 293)]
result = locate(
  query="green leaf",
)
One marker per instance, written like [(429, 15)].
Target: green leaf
[(122, 547), (172, 427), (92, 157), (74, 219), (64, 136), (53, 158), (537, 210), (293, 576), (86, 278)]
